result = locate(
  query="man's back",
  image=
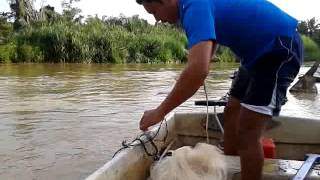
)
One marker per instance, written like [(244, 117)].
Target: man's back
[(248, 27)]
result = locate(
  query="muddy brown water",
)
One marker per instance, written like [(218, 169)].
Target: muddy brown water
[(65, 121)]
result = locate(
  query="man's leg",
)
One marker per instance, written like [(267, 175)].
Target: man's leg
[(231, 126), (265, 91), (252, 125), (232, 111)]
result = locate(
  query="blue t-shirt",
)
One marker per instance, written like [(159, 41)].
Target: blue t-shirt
[(248, 27)]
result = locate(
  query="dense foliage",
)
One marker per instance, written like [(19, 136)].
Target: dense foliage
[(97, 41), (27, 35)]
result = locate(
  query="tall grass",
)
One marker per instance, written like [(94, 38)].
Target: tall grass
[(117, 40), (99, 42), (7, 45), (7, 53), (224, 54)]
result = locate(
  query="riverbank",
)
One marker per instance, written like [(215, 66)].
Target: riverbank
[(110, 40)]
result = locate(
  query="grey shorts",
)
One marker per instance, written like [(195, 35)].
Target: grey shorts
[(263, 87)]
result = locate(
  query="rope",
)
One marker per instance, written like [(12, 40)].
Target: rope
[(215, 112), (166, 150), (150, 139), (141, 142), (207, 120)]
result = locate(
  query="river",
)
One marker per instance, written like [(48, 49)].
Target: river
[(63, 121)]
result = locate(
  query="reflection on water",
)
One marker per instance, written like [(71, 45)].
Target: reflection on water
[(64, 121)]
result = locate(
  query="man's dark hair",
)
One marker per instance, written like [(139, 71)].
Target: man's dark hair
[(148, 1)]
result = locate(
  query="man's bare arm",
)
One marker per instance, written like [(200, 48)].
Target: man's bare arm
[(190, 80)]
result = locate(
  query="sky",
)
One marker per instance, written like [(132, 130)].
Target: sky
[(300, 9)]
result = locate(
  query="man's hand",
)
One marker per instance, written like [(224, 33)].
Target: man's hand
[(190, 80), (150, 118)]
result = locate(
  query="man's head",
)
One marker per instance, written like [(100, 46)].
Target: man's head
[(162, 10)]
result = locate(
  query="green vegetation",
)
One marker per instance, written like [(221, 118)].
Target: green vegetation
[(224, 54), (46, 36), (7, 46), (7, 53), (64, 38), (312, 50), (310, 29), (98, 41)]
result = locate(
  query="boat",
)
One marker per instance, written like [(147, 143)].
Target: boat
[(307, 82), (293, 137)]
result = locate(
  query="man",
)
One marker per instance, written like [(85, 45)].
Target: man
[(270, 49)]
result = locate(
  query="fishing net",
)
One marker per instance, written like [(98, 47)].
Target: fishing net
[(203, 162)]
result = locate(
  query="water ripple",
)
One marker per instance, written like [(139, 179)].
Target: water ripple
[(66, 120)]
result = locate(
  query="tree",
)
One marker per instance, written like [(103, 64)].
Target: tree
[(313, 26), (23, 11), (5, 30), (303, 28), (69, 12), (310, 28), (48, 14), (7, 15)]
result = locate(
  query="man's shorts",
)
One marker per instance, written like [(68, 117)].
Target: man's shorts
[(263, 87)]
